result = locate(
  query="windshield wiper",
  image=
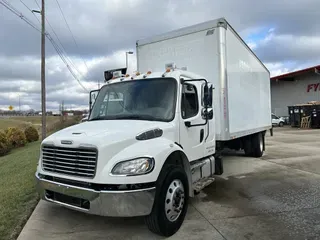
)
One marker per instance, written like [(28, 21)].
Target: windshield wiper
[(131, 116), (137, 117), (99, 118)]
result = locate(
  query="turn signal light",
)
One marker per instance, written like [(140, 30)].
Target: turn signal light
[(168, 70), (149, 72), (137, 74)]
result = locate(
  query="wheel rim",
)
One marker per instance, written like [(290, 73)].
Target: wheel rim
[(174, 201)]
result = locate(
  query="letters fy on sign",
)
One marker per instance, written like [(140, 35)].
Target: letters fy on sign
[(313, 86)]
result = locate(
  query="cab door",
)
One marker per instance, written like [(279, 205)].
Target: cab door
[(192, 124)]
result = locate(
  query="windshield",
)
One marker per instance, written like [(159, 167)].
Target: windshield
[(149, 99)]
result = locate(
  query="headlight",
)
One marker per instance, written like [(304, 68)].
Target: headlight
[(133, 167)]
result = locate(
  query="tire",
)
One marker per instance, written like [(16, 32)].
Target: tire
[(257, 145), (171, 177), (281, 124), (248, 146)]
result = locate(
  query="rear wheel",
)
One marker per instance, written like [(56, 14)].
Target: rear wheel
[(171, 201), (257, 145), (254, 145)]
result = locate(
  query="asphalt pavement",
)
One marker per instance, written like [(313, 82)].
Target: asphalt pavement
[(275, 197)]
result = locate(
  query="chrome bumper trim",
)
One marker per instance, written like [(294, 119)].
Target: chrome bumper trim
[(128, 203)]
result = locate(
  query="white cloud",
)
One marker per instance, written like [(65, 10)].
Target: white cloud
[(104, 30)]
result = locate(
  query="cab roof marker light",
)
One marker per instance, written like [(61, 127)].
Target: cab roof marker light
[(170, 66)]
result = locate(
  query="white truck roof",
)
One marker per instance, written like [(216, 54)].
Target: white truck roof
[(194, 29)]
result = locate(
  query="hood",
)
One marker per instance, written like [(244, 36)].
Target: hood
[(104, 131)]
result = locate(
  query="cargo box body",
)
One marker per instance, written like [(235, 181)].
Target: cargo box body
[(215, 51)]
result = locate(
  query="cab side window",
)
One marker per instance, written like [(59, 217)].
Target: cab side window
[(189, 101)]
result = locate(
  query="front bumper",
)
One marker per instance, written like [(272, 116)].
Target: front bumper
[(128, 203)]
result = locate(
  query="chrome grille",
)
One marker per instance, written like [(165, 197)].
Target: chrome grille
[(71, 161)]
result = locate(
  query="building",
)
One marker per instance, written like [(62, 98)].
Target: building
[(294, 88)]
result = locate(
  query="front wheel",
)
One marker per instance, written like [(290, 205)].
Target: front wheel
[(171, 201), (281, 124)]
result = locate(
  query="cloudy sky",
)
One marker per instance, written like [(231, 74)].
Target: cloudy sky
[(284, 34)]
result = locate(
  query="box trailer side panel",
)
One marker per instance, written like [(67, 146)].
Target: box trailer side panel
[(248, 84), (196, 50)]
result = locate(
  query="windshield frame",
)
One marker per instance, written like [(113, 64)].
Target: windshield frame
[(175, 93)]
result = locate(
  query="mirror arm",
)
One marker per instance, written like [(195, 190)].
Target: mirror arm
[(188, 123)]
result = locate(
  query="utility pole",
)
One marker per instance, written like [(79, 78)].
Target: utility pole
[(43, 69), (43, 79), (19, 104)]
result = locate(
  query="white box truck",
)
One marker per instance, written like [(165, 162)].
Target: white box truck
[(154, 138)]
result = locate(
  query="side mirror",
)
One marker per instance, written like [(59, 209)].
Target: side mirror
[(207, 95), (92, 98)]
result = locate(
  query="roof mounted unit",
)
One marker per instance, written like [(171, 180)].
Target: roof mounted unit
[(114, 73)]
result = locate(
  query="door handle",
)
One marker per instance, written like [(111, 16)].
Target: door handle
[(201, 135)]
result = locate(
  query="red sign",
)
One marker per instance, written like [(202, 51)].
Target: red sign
[(313, 87)]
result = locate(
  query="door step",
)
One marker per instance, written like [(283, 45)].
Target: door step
[(202, 183)]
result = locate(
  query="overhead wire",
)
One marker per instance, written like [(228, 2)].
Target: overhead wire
[(54, 44), (60, 53), (20, 15), (63, 48), (30, 11), (74, 40)]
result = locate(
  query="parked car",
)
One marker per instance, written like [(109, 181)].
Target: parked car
[(277, 121)]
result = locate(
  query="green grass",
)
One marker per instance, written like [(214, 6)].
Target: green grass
[(7, 122), (36, 119), (24, 121), (17, 189)]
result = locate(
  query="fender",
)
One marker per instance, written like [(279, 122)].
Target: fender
[(158, 148)]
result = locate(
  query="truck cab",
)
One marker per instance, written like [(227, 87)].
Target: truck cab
[(148, 145)]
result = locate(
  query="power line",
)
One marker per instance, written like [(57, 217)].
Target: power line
[(60, 53), (25, 5), (75, 42), (31, 11), (54, 32), (55, 45), (20, 15), (65, 52), (37, 4)]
